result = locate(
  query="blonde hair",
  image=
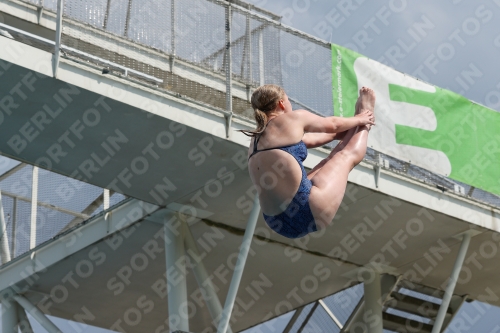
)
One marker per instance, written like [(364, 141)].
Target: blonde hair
[(264, 100)]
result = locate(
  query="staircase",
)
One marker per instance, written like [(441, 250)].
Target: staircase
[(407, 307)]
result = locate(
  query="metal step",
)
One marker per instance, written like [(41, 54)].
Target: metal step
[(410, 304), (404, 325), (414, 305), (436, 293)]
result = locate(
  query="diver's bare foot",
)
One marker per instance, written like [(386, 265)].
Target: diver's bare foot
[(366, 101)]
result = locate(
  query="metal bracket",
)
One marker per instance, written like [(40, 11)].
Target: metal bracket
[(459, 189), (229, 121), (376, 168), (172, 63), (39, 13), (249, 93)]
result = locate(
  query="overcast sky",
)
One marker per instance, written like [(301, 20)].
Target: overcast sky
[(435, 41)]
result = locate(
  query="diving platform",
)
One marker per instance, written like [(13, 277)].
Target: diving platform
[(160, 134)]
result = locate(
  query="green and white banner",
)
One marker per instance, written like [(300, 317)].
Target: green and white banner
[(431, 127)]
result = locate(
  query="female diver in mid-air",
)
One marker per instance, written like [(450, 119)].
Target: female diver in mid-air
[(295, 203)]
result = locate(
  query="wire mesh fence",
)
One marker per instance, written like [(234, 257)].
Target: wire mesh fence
[(164, 39), (61, 202)]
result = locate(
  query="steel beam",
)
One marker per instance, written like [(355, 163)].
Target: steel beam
[(240, 265), (176, 262), (330, 313), (273, 21), (12, 171), (37, 314), (237, 41), (72, 241), (450, 287), (47, 205), (202, 277), (24, 323), (308, 317), (294, 318), (355, 320)]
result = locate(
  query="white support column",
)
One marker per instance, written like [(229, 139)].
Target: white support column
[(330, 313), (14, 228), (450, 287), (248, 53), (229, 71), (34, 206), (172, 35), (249, 37), (203, 279), (37, 314), (57, 50), (240, 265), (175, 262), (105, 199), (373, 304), (261, 58), (294, 318), (4, 239)]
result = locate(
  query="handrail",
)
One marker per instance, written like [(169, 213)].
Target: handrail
[(280, 25), (67, 48)]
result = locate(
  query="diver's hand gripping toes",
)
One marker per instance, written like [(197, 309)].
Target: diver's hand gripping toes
[(366, 117)]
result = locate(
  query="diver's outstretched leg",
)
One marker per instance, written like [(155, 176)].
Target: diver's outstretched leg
[(346, 135), (330, 179)]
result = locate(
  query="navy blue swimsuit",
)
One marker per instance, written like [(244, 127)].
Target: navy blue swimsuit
[(297, 220)]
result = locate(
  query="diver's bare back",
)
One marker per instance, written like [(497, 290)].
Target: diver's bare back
[(275, 172)]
